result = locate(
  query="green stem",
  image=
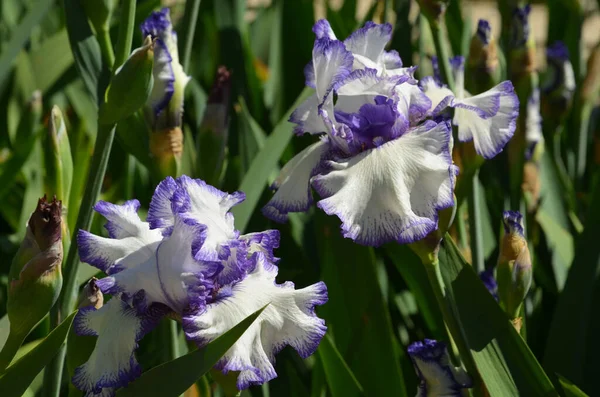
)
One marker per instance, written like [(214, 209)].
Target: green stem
[(432, 266), (583, 122), (10, 349), (192, 8), (66, 301), (443, 54), (106, 48), (475, 228)]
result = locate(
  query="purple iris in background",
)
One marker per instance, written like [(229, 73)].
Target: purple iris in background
[(382, 164), (438, 377), (188, 261), (165, 104)]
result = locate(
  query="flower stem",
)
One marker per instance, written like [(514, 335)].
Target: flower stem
[(432, 266), (10, 349), (192, 8), (127, 24), (475, 229), (106, 47), (443, 53), (66, 301)]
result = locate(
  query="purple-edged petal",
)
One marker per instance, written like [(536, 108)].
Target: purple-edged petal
[(513, 223), (416, 103), (293, 183), (289, 319), (322, 29), (489, 119), (393, 192), (123, 220), (160, 213), (307, 118), (210, 207), (391, 59), (133, 243), (265, 242), (175, 258), (119, 327), (169, 78), (441, 97), (370, 40), (437, 374), (331, 62)]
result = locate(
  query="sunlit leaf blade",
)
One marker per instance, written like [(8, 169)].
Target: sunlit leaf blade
[(340, 378), (506, 365), (51, 60), (356, 303), (568, 389), (410, 267), (19, 375), (175, 377), (255, 180), (11, 169), (576, 309), (86, 50)]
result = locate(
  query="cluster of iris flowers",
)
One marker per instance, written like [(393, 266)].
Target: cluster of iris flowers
[(382, 164)]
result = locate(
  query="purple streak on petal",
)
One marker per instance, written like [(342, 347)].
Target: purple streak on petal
[(160, 214), (309, 75), (322, 29)]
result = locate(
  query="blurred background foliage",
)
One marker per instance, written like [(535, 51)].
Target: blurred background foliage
[(380, 299)]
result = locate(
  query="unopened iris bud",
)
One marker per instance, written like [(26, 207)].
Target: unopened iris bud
[(99, 13), (214, 130), (487, 278), (434, 10), (438, 377), (131, 85), (514, 269), (522, 57), (91, 295), (164, 107), (559, 82), (35, 277), (59, 163), (482, 65)]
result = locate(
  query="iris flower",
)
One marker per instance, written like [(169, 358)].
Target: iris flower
[(165, 104), (381, 164), (488, 119), (438, 377), (188, 261)]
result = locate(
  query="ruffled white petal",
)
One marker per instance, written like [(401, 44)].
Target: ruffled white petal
[(210, 207), (393, 192), (306, 117), (370, 40), (112, 364), (293, 183), (131, 243), (160, 213), (441, 97), (175, 259), (164, 78), (289, 319), (331, 62), (489, 119)]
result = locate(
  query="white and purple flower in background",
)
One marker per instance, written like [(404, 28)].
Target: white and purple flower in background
[(188, 261), (438, 377), (165, 104), (383, 162), (488, 119)]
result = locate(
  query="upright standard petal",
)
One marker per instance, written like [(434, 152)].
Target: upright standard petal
[(370, 40), (322, 29), (210, 207), (293, 191), (289, 319), (489, 119), (393, 192), (437, 374), (119, 327)]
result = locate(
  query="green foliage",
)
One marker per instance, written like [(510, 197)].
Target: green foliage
[(63, 54)]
